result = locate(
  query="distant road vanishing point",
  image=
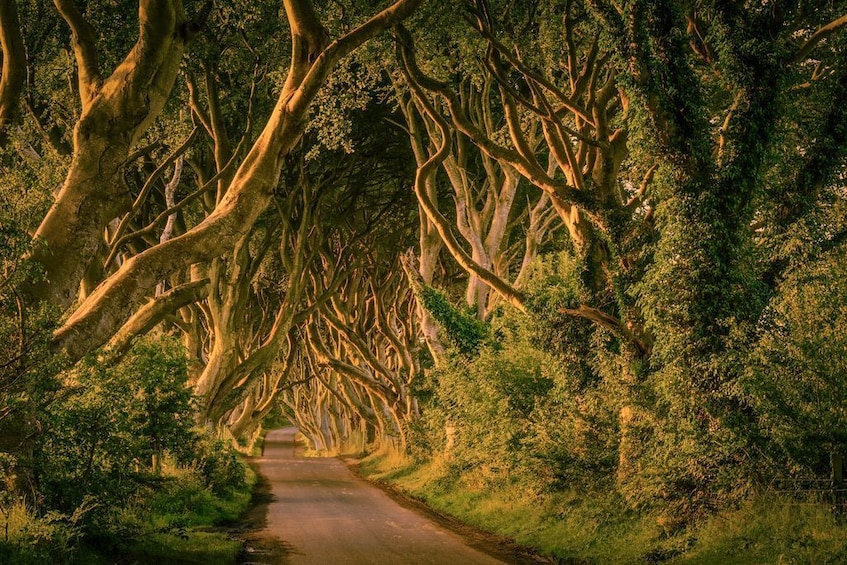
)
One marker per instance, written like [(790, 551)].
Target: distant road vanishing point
[(324, 515)]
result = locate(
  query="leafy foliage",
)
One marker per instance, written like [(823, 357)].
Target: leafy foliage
[(28, 367), (94, 461), (111, 421), (682, 342), (796, 376), (463, 329)]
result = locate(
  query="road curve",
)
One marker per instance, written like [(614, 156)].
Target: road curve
[(323, 514)]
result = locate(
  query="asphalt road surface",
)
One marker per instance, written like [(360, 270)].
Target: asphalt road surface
[(321, 513)]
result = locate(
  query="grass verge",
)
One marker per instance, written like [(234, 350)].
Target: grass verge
[(597, 527), (173, 524), (170, 520)]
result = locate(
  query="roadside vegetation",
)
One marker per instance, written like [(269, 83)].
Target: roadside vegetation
[(514, 444), (577, 526), (123, 473), (519, 426)]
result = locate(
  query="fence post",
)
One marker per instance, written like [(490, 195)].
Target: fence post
[(836, 460)]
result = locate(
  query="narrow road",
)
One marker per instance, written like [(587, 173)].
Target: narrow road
[(323, 514)]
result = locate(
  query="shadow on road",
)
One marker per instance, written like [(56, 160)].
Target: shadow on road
[(259, 547)]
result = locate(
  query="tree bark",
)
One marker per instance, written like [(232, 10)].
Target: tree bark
[(13, 75)]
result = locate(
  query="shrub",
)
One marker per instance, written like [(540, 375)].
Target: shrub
[(218, 464), (795, 377), (463, 330), (100, 439), (28, 538)]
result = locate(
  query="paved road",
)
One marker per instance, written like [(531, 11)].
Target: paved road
[(325, 515)]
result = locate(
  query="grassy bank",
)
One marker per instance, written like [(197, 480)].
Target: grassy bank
[(580, 527), (169, 519), (174, 524)]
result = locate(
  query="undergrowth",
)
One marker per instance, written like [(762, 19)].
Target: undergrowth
[(115, 470), (166, 520)]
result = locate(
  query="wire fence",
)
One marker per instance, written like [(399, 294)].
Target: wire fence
[(830, 491)]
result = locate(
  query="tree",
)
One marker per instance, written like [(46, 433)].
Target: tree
[(154, 60), (693, 152), (665, 122)]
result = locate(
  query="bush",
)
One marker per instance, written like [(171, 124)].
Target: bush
[(101, 438), (462, 329), (32, 539), (119, 461), (162, 519), (795, 377), (491, 402), (219, 465)]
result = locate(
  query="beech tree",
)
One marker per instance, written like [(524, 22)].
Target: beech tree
[(583, 137), (662, 127), (116, 110), (151, 67), (485, 215), (13, 77)]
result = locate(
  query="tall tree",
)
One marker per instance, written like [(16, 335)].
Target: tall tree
[(102, 312)]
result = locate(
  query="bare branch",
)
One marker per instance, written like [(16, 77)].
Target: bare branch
[(85, 50), (638, 197), (562, 193), (155, 311), (440, 222), (817, 37), (345, 45), (142, 196), (609, 322)]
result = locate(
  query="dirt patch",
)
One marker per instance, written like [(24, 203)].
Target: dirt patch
[(500, 547)]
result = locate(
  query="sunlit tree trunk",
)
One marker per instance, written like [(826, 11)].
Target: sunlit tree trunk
[(313, 57), (116, 110), (429, 241), (13, 72)]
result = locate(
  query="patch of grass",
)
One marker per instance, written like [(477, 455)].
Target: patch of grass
[(168, 523), (563, 525), (187, 547), (26, 538), (597, 527), (258, 446), (184, 499), (770, 532), (386, 465)]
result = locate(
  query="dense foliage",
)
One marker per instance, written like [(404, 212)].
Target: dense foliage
[(116, 458)]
